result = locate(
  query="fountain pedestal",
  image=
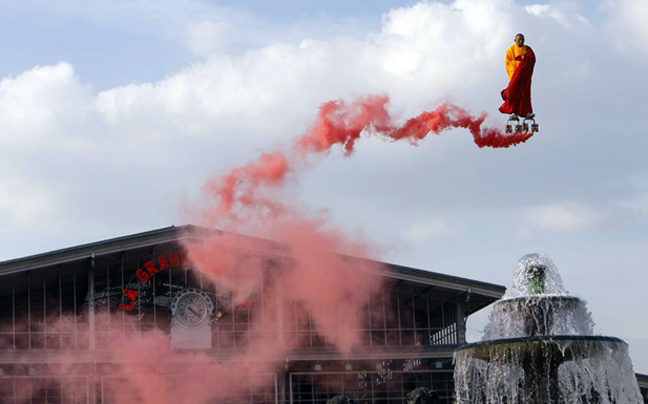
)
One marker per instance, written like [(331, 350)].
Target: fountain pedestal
[(534, 362), (539, 349)]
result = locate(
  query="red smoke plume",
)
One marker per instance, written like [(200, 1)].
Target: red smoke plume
[(339, 123), (271, 168), (323, 284), (304, 266), (301, 273)]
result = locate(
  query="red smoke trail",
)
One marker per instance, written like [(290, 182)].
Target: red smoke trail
[(270, 168), (340, 123)]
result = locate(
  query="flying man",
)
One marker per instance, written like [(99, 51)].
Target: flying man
[(520, 61)]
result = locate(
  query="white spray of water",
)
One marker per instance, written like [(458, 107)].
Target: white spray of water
[(539, 348), (521, 281)]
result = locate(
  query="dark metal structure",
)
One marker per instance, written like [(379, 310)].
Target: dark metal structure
[(411, 331), (643, 385)]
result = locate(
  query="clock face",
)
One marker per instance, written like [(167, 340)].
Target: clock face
[(191, 309)]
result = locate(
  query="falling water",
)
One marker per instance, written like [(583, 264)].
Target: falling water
[(539, 348), (539, 315), (523, 283)]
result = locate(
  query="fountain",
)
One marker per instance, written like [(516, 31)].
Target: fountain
[(539, 348)]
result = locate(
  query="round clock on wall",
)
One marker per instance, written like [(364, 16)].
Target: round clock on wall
[(192, 307)]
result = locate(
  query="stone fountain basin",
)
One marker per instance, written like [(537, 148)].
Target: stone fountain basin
[(539, 315), (552, 298), (557, 349)]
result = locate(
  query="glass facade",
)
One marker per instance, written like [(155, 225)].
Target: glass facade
[(80, 306), (33, 302), (384, 387)]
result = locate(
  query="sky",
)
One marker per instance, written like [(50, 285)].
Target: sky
[(114, 114)]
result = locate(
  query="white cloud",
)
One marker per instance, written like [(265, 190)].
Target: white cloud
[(566, 14), (40, 103), (628, 24), (271, 93), (265, 95), (443, 41), (562, 217), (537, 9), (422, 51)]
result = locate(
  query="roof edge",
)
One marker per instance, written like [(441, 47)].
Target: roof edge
[(175, 233)]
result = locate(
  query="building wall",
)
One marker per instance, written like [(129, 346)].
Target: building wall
[(87, 295)]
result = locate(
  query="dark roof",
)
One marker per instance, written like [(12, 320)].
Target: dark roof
[(642, 380), (173, 233), (97, 248)]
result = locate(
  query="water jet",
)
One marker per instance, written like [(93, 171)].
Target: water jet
[(539, 347)]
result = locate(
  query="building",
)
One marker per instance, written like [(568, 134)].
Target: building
[(643, 385), (67, 316), (86, 282)]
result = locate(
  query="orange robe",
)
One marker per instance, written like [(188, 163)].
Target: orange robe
[(517, 95), (509, 60)]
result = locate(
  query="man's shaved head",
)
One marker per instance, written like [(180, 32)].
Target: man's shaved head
[(519, 40)]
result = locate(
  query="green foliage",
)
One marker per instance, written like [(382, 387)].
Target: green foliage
[(536, 275)]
